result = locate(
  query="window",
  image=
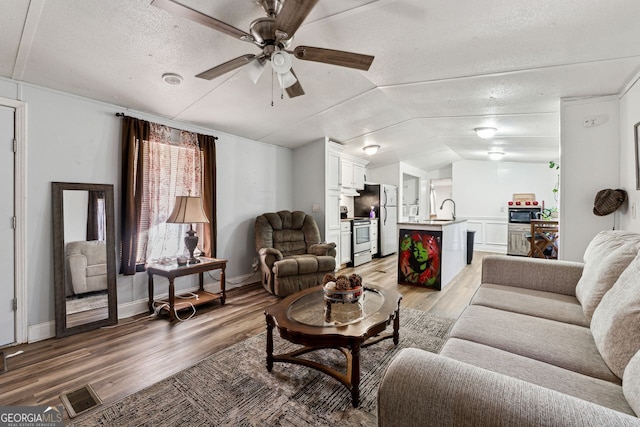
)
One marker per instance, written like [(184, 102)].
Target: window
[(158, 164), (173, 168)]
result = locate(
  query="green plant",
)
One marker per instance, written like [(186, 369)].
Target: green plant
[(556, 166)]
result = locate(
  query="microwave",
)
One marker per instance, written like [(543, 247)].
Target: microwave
[(523, 215)]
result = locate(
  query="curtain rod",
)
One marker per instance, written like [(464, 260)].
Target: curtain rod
[(215, 138)]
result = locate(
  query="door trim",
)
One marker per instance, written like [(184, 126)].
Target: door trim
[(20, 203)]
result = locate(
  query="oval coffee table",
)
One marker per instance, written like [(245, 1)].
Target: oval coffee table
[(305, 318)]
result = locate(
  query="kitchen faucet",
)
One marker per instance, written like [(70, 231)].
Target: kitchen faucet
[(453, 215)]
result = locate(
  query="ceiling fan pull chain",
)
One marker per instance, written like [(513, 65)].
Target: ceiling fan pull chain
[(272, 88)]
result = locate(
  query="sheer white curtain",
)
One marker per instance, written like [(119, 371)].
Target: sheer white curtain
[(174, 169)]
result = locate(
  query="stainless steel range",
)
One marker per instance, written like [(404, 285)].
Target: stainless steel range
[(521, 212), (361, 247)]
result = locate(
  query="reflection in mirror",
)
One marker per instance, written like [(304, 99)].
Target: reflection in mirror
[(84, 257)]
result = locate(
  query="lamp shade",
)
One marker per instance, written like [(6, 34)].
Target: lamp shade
[(187, 210)]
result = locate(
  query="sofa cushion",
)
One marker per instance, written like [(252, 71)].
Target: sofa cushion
[(605, 258), (631, 383), (616, 320), (561, 344), (591, 389), (548, 305)]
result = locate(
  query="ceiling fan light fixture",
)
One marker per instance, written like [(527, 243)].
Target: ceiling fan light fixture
[(281, 62), (485, 132), (496, 155), (286, 79), (255, 70), (371, 149)]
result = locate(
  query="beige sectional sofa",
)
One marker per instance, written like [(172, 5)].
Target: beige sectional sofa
[(542, 343)]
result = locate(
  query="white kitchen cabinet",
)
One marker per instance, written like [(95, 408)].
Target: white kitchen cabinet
[(345, 242), (333, 168), (374, 237), (347, 174), (353, 172), (358, 176)]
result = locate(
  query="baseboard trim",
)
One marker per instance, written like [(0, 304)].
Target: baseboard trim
[(46, 330), (41, 331)]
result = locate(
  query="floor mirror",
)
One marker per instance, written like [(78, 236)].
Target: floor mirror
[(84, 257)]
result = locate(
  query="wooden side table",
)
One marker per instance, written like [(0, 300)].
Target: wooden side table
[(172, 271)]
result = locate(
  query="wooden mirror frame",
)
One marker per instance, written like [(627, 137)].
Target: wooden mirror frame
[(59, 269)]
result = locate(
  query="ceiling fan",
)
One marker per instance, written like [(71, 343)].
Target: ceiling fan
[(273, 34)]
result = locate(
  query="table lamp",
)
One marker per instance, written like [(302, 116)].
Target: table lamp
[(188, 210)]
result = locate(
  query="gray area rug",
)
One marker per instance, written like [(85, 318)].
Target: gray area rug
[(233, 387), (91, 302)]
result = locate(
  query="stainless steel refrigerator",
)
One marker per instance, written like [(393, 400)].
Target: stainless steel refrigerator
[(383, 198)]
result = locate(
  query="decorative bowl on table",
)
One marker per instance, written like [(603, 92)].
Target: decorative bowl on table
[(342, 289), (348, 296)]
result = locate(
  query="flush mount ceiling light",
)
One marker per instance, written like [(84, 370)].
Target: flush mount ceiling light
[(371, 149), (486, 132), (172, 78), (495, 155)]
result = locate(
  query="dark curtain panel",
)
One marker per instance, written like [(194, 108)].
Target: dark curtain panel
[(134, 131), (208, 147), (95, 221)]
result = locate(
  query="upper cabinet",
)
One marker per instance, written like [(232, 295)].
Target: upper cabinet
[(333, 166), (353, 172)]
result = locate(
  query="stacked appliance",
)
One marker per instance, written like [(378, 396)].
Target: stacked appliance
[(522, 209), (383, 199)]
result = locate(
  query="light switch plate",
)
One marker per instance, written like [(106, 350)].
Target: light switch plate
[(315, 207), (633, 210)]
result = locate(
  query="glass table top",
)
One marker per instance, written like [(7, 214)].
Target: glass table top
[(313, 310)]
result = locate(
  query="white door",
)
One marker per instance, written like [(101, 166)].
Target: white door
[(7, 232)]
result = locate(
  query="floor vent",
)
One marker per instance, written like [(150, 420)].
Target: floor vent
[(80, 400)]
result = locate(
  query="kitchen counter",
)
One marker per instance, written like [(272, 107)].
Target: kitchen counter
[(439, 222), (431, 252)]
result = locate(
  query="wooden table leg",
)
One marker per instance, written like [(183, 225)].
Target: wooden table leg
[(355, 375), (151, 310), (172, 300), (269, 343), (396, 327), (222, 287)]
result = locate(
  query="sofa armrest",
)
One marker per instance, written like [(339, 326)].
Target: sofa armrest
[(421, 388), (268, 256), (78, 272), (320, 249), (556, 276)]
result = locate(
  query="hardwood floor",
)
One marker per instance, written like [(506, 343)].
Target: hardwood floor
[(140, 351)]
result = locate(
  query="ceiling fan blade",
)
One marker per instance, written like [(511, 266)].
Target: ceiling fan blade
[(334, 57), (296, 89), (226, 67), (293, 13), (178, 9)]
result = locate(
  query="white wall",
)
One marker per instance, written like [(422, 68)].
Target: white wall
[(309, 181), (73, 139), (589, 162), (481, 190), (629, 116)]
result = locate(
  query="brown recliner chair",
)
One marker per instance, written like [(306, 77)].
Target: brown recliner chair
[(292, 257)]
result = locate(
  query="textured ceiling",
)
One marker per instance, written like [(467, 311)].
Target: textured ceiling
[(441, 69)]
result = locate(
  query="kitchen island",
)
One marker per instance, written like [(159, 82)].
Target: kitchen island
[(431, 253)]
